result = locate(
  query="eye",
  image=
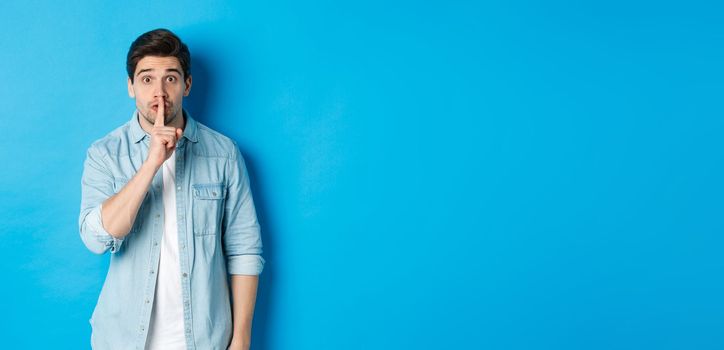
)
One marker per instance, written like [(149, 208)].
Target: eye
[(171, 79), (146, 79)]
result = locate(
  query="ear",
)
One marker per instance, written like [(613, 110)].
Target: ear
[(131, 93), (188, 86)]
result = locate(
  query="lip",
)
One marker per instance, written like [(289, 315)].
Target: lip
[(155, 106)]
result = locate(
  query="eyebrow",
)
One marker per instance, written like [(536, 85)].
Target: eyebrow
[(167, 70)]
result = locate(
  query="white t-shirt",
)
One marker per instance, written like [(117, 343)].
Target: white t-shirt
[(166, 329)]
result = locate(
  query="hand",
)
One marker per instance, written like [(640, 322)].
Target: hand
[(238, 345), (163, 138)]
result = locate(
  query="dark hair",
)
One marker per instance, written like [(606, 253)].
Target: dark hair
[(158, 42)]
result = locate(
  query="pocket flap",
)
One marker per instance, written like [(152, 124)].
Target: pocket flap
[(209, 191)]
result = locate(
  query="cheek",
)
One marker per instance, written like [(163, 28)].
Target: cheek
[(178, 90), (177, 96)]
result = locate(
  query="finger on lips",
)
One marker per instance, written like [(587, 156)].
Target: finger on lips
[(167, 135), (160, 112)]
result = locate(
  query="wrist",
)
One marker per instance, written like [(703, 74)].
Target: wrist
[(239, 343), (152, 164)]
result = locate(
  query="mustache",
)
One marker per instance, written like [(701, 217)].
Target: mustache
[(165, 104)]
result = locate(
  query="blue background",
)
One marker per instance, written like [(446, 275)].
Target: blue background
[(449, 175)]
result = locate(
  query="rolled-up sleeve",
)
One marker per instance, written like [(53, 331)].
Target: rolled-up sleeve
[(240, 227), (96, 187)]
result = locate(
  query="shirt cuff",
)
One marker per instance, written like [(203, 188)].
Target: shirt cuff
[(95, 223), (245, 264)]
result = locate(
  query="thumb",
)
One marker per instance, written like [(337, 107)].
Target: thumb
[(179, 133)]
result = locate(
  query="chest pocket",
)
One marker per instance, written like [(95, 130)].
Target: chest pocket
[(208, 206)]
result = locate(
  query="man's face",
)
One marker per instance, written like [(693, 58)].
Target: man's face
[(159, 77)]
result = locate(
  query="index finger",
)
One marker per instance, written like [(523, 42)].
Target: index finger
[(160, 113)]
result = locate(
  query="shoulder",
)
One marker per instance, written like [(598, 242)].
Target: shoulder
[(214, 144), (113, 143)]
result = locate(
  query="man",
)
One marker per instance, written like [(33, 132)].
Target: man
[(170, 199)]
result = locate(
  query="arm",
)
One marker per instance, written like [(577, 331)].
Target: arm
[(105, 217), (97, 184), (243, 295), (242, 248), (119, 211)]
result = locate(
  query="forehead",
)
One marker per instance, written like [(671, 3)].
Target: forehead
[(157, 64)]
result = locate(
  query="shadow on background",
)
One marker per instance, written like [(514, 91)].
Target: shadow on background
[(203, 87)]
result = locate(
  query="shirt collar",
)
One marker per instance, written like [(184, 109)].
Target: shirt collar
[(137, 132)]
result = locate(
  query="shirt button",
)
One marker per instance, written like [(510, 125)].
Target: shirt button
[(147, 301), (158, 216), (142, 328), (185, 274), (155, 243), (152, 272), (178, 188)]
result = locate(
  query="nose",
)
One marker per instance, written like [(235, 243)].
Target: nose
[(159, 90)]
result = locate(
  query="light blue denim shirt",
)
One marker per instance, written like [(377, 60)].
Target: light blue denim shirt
[(218, 234)]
